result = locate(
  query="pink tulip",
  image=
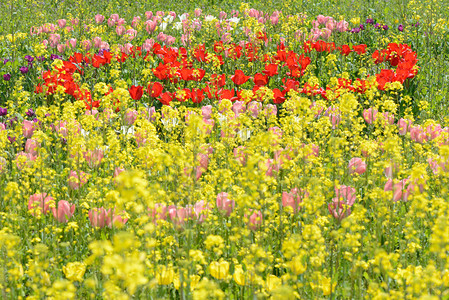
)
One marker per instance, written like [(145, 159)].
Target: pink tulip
[(99, 217), (294, 198), (71, 43), (339, 210), (224, 204), (399, 189), (148, 14), (31, 146), (222, 15), (120, 30), (342, 26), (62, 23), (198, 12), (99, 18), (97, 42), (130, 116), (54, 40), (77, 179), (240, 155), (161, 37), (148, 45), (255, 220), (436, 166), (150, 26), (389, 118), (28, 128), (178, 215), (357, 165), (86, 44), (39, 202), (114, 17), (93, 157), (322, 19), (404, 126), (273, 167), (135, 21), (111, 22), (274, 20), (238, 107), (117, 171), (417, 134), (254, 107), (206, 111), (347, 193), (170, 40), (201, 211), (61, 48), (28, 158), (117, 220), (433, 131), (370, 115), (64, 211), (159, 212)]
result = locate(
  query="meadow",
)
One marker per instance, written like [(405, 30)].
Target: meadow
[(224, 150)]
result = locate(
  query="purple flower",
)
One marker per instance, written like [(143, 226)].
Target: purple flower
[(369, 21), (11, 139), (400, 28), (417, 24), (355, 30), (30, 113), (3, 111), (41, 58), (5, 61), (6, 77), (23, 70), (362, 27), (29, 58), (377, 25), (385, 27), (55, 56)]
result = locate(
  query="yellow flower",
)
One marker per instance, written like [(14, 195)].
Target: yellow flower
[(74, 271), (273, 282), (165, 275), (219, 270), (239, 275), (297, 266)]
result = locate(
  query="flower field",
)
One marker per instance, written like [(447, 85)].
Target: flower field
[(224, 151)]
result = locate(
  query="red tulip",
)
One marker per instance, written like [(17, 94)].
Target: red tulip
[(155, 89), (239, 77), (136, 92), (260, 79), (166, 98)]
